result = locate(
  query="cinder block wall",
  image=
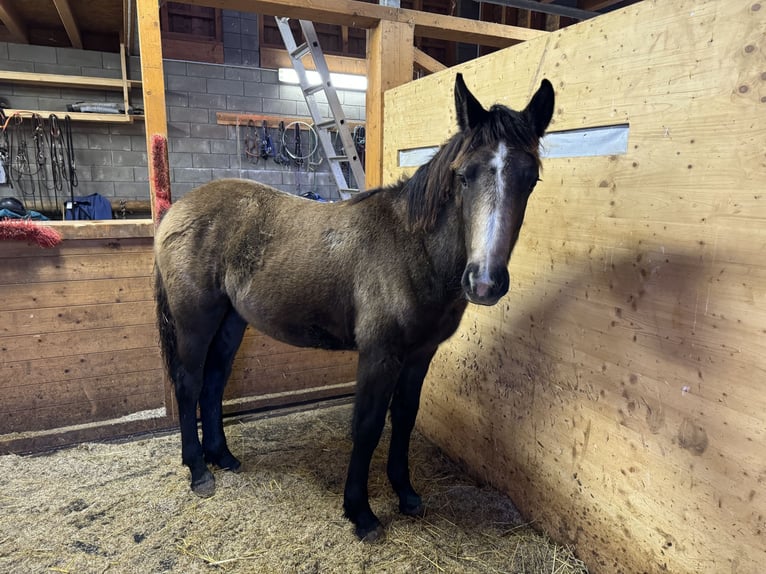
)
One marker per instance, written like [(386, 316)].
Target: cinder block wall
[(111, 158)]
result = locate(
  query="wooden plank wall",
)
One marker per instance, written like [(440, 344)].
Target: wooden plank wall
[(79, 358), (618, 392)]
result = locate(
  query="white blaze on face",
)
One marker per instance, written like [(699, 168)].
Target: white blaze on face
[(489, 236)]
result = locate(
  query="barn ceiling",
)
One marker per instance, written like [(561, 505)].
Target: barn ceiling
[(103, 24)]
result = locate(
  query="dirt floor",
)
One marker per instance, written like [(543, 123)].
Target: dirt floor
[(127, 507)]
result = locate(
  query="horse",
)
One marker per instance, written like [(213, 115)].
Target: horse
[(387, 273)]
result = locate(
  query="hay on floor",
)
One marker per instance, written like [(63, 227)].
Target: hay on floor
[(127, 507)]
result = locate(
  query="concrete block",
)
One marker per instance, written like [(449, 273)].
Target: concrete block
[(172, 67), (191, 115), (13, 66), (232, 40), (269, 76), (3, 50), (230, 24), (114, 142), (184, 84), (177, 99), (208, 131), (242, 73), (110, 173), (190, 145), (176, 159), (262, 90), (105, 188), (138, 143), (232, 56), (251, 58), (93, 157), (191, 175), (224, 146), (226, 87), (132, 190), (29, 53), (284, 108), (76, 57), (213, 160), (210, 101), (100, 72), (128, 158), (44, 68), (111, 61), (246, 104), (141, 174), (179, 130), (195, 70)]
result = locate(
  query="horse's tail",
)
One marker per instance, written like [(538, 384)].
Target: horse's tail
[(166, 326)]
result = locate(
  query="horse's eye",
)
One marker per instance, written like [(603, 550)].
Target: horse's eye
[(461, 179)]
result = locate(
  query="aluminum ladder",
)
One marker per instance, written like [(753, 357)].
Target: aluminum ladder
[(322, 125)]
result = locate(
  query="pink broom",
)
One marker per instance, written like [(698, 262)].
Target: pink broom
[(161, 176), (27, 230)]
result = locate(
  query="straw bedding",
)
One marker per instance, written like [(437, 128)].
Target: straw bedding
[(127, 507)]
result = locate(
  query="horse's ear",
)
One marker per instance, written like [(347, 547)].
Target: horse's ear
[(540, 108), (469, 111)]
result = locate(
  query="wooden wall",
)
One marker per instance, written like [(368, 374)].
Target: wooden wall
[(618, 392), (79, 357)]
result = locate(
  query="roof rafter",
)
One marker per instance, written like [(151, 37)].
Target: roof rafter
[(362, 15), (11, 19), (65, 13)]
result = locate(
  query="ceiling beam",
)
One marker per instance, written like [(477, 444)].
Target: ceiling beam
[(545, 8), (13, 22), (596, 4), (65, 13), (362, 15)]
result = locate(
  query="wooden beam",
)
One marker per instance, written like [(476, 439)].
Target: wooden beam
[(153, 80), (596, 4), (356, 14), (13, 22), (427, 63), (272, 121), (386, 69), (65, 13)]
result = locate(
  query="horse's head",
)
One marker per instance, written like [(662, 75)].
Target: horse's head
[(495, 170)]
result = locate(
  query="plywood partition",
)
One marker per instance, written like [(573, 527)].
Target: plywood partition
[(79, 353), (618, 392)]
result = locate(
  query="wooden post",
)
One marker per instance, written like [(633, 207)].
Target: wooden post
[(390, 55), (152, 80)]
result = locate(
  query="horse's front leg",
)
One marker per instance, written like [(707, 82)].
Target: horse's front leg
[(377, 374), (404, 410)]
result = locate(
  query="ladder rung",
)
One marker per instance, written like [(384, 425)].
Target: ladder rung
[(349, 190), (338, 158), (300, 51), (313, 89), (323, 125)]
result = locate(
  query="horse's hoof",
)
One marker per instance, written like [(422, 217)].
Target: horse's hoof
[(370, 536), (204, 487), (412, 506)]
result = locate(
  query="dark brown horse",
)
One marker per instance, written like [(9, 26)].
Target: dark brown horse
[(388, 273)]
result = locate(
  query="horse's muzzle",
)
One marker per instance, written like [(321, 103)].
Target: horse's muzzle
[(485, 288)]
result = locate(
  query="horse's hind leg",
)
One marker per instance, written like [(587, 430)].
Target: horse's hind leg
[(404, 410), (193, 341), (220, 358)]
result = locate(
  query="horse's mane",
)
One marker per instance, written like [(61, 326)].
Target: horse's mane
[(431, 186)]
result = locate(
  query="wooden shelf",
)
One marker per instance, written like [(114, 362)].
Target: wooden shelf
[(79, 116), (60, 81), (122, 84)]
